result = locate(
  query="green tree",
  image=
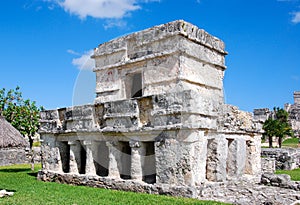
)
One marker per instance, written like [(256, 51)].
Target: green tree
[(277, 126), (22, 114)]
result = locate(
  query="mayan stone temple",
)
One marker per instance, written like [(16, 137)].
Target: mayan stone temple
[(158, 124)]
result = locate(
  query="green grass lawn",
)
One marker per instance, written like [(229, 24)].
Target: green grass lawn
[(295, 174), (291, 142), (21, 180)]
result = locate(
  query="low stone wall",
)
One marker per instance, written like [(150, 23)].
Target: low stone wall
[(247, 193), (117, 184), (280, 180), (230, 192), (36, 152), (268, 165), (11, 156), (285, 158)]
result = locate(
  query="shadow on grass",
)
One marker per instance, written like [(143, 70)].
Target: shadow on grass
[(15, 170), (33, 174), (8, 190)]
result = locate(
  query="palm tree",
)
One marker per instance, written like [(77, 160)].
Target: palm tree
[(277, 125)]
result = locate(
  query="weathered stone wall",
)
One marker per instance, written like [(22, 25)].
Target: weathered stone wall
[(183, 154), (280, 180), (230, 192), (268, 165), (297, 98), (294, 114), (171, 57), (285, 158), (11, 156), (262, 114)]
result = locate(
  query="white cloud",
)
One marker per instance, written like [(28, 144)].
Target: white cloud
[(73, 52), (99, 8), (110, 23), (84, 62), (296, 17)]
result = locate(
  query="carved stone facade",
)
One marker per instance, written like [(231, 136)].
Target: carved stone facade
[(159, 117)]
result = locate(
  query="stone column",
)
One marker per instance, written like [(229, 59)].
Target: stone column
[(51, 159), (57, 167), (73, 153), (216, 159), (236, 158), (253, 159), (114, 159), (89, 166), (138, 153), (200, 155)]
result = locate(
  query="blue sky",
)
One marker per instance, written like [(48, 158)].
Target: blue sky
[(45, 44)]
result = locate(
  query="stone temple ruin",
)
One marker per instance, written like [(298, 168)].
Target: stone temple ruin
[(294, 113), (159, 123), (262, 114)]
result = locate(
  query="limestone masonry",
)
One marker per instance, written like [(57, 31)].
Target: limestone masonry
[(159, 123)]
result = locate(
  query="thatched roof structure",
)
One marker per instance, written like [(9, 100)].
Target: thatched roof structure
[(10, 136)]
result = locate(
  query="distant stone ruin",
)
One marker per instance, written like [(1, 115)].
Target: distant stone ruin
[(294, 113), (159, 123)]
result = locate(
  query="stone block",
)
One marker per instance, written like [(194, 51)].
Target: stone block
[(10, 156), (175, 160), (216, 159), (236, 157)]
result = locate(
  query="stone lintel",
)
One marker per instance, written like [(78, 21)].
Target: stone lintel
[(189, 135), (87, 142), (74, 143)]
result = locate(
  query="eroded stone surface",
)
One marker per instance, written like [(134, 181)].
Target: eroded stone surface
[(244, 193), (285, 158)]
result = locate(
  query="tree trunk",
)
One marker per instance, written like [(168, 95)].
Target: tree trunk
[(270, 142), (30, 142), (32, 153), (32, 161), (280, 141)]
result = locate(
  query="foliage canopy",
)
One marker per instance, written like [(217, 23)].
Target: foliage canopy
[(277, 125), (23, 114)]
